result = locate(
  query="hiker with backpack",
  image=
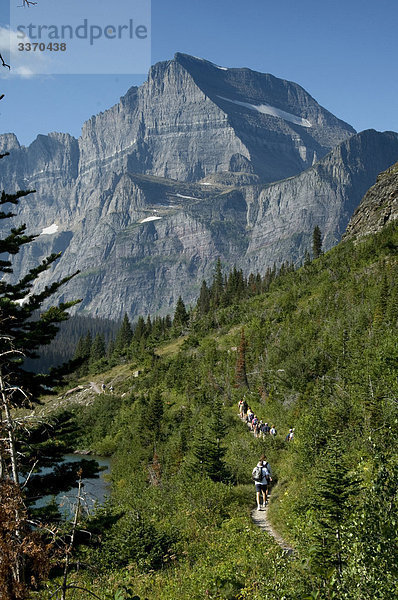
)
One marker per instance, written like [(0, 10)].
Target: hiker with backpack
[(269, 475), (261, 476), (266, 429), (290, 435), (245, 408)]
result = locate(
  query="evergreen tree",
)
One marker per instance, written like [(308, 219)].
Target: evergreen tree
[(316, 242), (181, 316), (139, 330), (207, 451), (203, 304), (80, 348), (252, 285), (83, 352), (123, 336), (333, 491), (148, 326), (372, 568), (111, 348), (87, 344), (22, 332), (155, 412), (216, 467), (98, 349), (200, 451), (217, 288), (157, 329)]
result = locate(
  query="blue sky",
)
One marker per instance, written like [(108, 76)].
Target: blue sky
[(343, 53)]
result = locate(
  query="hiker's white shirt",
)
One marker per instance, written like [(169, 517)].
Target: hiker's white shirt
[(264, 473)]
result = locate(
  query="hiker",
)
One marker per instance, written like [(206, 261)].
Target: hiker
[(266, 429), (245, 407), (103, 388), (290, 435), (240, 407), (254, 424), (269, 475), (260, 476), (273, 430)]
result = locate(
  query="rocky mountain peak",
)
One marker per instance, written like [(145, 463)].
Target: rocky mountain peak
[(200, 162)]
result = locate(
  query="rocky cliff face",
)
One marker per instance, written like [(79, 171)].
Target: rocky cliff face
[(179, 173), (283, 214), (192, 118), (378, 208)]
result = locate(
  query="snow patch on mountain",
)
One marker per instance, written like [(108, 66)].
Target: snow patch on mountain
[(186, 197), (50, 230), (150, 219), (266, 109)]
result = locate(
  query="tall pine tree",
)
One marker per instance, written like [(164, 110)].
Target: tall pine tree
[(217, 288), (181, 316), (316, 242), (22, 331), (124, 336)]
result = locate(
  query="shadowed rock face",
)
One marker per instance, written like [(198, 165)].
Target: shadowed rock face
[(180, 173), (283, 214), (378, 208)]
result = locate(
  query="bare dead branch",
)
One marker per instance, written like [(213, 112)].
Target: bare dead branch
[(11, 352), (29, 474)]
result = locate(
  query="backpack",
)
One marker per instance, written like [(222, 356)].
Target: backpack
[(258, 473)]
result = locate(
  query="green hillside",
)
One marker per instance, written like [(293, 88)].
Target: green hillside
[(318, 352)]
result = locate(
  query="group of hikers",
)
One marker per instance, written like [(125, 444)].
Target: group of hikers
[(256, 425), (261, 473)]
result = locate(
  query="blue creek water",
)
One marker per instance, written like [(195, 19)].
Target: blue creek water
[(94, 491)]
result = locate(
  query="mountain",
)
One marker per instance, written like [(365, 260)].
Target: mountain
[(283, 214), (189, 119), (192, 118), (199, 162), (378, 207)]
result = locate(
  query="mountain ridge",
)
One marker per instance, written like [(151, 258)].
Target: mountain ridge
[(135, 141), (145, 223)]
